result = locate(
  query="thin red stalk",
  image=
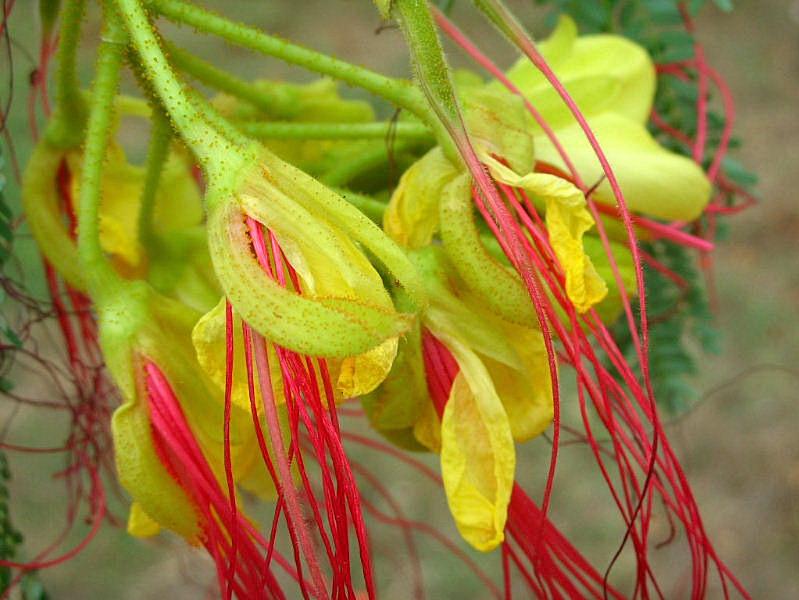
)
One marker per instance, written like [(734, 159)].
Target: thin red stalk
[(292, 501), (229, 358)]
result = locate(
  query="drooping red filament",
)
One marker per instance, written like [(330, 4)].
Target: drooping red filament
[(242, 568), (624, 404), (85, 393), (320, 515)]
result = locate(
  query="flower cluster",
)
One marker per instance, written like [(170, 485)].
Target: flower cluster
[(442, 283)]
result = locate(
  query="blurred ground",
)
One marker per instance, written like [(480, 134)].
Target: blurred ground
[(739, 445)]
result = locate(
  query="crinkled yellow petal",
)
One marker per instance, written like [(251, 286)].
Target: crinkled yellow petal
[(610, 308), (567, 219), (654, 181), (140, 524), (411, 217), (477, 456)]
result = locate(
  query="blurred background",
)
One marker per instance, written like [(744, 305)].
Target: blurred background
[(740, 442)]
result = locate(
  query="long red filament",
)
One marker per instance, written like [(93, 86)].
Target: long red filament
[(606, 393), (309, 399)]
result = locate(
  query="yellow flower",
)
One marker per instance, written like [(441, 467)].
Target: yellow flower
[(612, 80), (501, 394)]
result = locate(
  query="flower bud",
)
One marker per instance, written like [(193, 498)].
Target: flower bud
[(341, 307)]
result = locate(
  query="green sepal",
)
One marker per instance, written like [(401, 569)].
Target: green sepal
[(496, 283)]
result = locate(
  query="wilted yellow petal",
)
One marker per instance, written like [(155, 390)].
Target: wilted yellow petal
[(477, 457), (567, 219), (363, 373)]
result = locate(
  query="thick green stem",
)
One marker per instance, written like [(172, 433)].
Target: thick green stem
[(397, 91), (66, 127), (335, 131), (432, 72), (100, 275), (215, 151), (157, 154), (428, 55)]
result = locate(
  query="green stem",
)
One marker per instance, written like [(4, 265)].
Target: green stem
[(335, 131), (432, 73), (157, 154), (431, 68), (66, 127), (346, 171), (100, 275), (263, 99), (399, 92), (214, 150)]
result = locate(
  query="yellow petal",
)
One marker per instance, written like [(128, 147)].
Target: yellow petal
[(427, 429), (397, 403), (614, 64), (654, 181), (141, 473), (140, 524), (209, 338), (363, 373), (526, 392), (411, 217), (567, 219), (477, 458)]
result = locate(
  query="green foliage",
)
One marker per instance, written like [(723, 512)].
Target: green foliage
[(7, 334), (10, 538), (680, 323), (627, 17)]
